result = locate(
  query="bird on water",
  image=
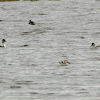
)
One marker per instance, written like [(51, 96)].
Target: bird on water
[(93, 45), (31, 22), (3, 43), (64, 63)]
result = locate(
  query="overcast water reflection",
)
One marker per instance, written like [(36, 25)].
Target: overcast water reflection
[(65, 29)]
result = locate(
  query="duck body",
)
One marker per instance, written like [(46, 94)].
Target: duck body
[(93, 45), (64, 63), (31, 22), (98, 46)]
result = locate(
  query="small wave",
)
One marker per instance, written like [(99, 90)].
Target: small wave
[(15, 87)]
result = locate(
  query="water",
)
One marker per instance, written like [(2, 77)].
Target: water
[(64, 30)]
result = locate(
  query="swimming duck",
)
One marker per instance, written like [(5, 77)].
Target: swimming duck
[(31, 22), (93, 45), (64, 63), (3, 43)]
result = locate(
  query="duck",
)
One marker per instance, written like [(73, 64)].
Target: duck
[(31, 22), (93, 45), (3, 43), (64, 63)]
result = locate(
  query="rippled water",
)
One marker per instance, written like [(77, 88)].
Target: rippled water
[(64, 30)]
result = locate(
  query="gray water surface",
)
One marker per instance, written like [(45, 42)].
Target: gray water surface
[(64, 30)]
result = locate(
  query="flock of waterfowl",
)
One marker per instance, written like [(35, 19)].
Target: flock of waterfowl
[(62, 63)]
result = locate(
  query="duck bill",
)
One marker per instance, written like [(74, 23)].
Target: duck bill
[(68, 62)]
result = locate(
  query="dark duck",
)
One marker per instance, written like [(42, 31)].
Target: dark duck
[(31, 22)]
